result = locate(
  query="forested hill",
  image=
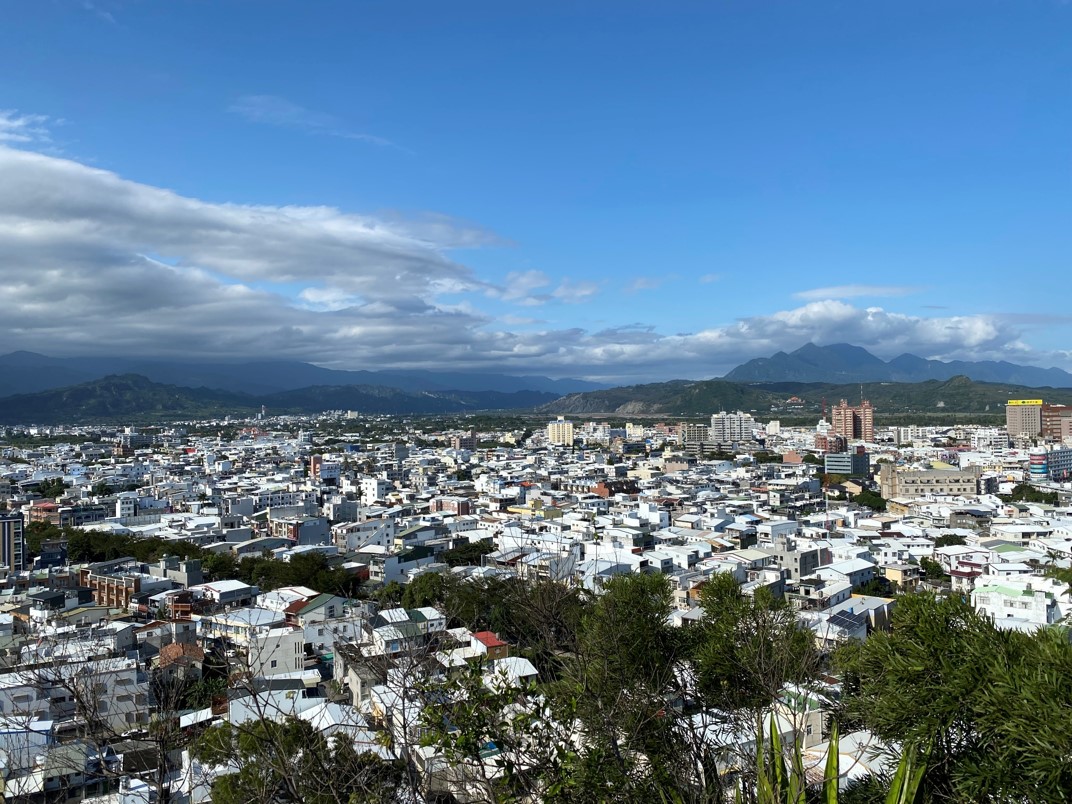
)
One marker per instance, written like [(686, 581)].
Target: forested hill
[(684, 398), (126, 396)]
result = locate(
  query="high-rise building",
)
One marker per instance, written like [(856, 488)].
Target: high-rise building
[(853, 423), (1055, 421), (692, 433), (730, 427), (12, 541), (560, 431), (1023, 418)]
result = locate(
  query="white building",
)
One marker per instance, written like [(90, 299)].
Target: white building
[(1023, 604), (560, 432)]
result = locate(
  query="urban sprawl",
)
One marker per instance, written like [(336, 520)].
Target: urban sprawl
[(168, 588)]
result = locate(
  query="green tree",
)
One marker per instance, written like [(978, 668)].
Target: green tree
[(1025, 492), (289, 762), (468, 554), (621, 683), (389, 595), (52, 488), (985, 701), (38, 532), (218, 566), (870, 499), (879, 587), (931, 569), (424, 590), (948, 539), (748, 648)]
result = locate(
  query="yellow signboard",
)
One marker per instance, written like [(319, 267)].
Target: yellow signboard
[(1025, 401)]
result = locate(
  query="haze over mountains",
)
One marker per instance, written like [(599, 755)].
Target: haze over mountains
[(36, 388), (29, 372), (844, 363), (132, 397)]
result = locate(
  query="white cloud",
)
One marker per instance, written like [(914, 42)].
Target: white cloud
[(519, 320), (519, 287), (575, 292), (95, 264), (101, 13), (855, 292), (23, 128), (327, 299), (707, 279), (648, 283), (273, 110)]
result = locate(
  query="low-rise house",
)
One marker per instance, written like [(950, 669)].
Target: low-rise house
[(1020, 604)]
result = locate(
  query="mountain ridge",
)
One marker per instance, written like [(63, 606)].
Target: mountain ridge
[(133, 396), (843, 362), (958, 394), (31, 372)]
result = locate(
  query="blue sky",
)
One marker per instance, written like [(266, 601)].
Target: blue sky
[(618, 190)]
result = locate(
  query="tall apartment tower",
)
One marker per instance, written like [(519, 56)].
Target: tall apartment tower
[(1023, 418), (560, 431), (853, 423), (728, 427), (1056, 422), (12, 541)]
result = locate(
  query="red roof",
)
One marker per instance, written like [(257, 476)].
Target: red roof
[(488, 639), (297, 605)]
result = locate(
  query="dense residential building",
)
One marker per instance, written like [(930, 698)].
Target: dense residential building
[(853, 423), (393, 509), (464, 441)]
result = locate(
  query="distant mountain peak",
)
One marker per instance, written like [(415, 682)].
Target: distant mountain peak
[(844, 362)]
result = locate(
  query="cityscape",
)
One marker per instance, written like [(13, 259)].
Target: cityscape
[(535, 402), (313, 572)]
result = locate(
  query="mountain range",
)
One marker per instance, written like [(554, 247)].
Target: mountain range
[(704, 397), (844, 363), (29, 372), (45, 390), (132, 397)]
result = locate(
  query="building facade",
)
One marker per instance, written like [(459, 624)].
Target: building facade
[(560, 432), (894, 483), (730, 427), (12, 541), (851, 464), (853, 423), (1023, 418), (1056, 422)]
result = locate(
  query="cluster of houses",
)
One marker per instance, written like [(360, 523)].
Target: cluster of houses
[(99, 641)]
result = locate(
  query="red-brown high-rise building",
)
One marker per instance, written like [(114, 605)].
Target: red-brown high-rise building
[(1055, 421), (853, 423)]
